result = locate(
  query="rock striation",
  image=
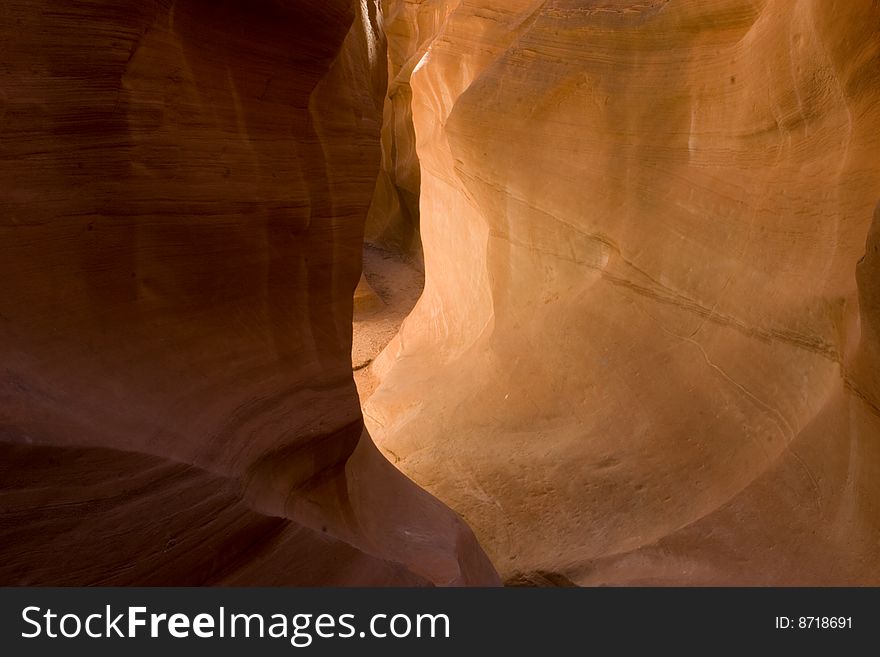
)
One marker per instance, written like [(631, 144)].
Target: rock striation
[(183, 188), (647, 348), (393, 219)]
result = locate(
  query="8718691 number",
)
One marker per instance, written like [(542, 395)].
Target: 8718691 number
[(814, 622)]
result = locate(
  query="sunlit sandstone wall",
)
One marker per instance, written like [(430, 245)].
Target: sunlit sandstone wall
[(393, 219), (183, 188), (646, 352)]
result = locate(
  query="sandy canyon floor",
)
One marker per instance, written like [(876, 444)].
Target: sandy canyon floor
[(388, 291)]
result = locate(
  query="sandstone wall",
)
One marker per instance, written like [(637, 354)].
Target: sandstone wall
[(393, 219), (183, 189), (645, 352)]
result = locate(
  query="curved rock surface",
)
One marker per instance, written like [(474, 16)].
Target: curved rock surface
[(393, 219), (183, 188), (645, 352)]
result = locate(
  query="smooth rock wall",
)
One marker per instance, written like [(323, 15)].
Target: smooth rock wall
[(183, 191), (646, 350)]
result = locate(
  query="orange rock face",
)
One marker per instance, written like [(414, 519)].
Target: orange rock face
[(183, 189), (393, 219), (647, 350)]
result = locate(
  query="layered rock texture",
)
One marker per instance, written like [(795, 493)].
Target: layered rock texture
[(647, 349), (393, 219), (183, 188)]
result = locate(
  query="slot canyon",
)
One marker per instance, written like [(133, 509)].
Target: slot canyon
[(440, 292)]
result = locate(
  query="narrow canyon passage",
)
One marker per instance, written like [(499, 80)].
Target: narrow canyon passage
[(617, 319), (390, 287)]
